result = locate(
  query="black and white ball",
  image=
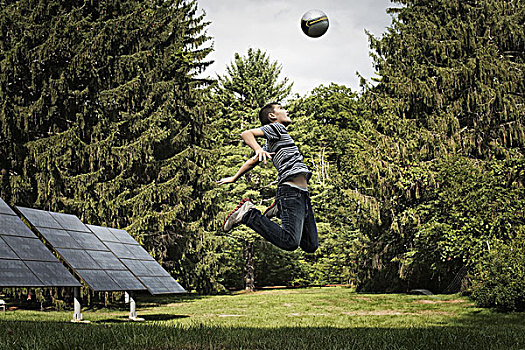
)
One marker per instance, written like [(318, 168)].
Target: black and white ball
[(314, 23)]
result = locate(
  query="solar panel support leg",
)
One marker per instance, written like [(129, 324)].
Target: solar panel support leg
[(77, 316), (132, 307)]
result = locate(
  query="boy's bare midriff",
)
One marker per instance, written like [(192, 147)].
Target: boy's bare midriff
[(299, 180)]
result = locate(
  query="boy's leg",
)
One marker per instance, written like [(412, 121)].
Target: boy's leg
[(292, 206), (309, 239)]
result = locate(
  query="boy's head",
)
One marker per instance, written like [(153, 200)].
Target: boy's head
[(274, 112)]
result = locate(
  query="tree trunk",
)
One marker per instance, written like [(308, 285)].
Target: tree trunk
[(249, 267)]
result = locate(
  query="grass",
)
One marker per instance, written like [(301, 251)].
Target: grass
[(313, 318)]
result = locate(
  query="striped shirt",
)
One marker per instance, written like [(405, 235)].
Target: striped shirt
[(287, 159)]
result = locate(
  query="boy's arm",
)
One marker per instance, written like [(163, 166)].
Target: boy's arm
[(249, 138), (247, 166), (260, 155)]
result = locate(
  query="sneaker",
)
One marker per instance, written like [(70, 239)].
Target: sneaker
[(235, 217), (271, 211)]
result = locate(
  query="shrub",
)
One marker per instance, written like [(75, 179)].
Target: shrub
[(500, 281)]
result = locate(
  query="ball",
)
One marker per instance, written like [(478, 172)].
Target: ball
[(314, 23)]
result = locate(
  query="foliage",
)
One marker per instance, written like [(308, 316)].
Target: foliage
[(101, 117), (329, 127), (500, 280), (449, 142)]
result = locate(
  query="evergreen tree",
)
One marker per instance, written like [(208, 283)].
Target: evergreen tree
[(449, 97), (102, 116)]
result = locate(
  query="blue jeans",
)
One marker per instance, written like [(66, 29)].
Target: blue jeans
[(298, 223)]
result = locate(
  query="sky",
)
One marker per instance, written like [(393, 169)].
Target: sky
[(274, 27)]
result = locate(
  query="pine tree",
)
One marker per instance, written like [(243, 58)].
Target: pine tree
[(450, 94), (102, 116)]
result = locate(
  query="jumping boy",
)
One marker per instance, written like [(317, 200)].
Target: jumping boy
[(298, 227)]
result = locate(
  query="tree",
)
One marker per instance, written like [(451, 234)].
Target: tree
[(251, 82), (449, 96), (327, 124), (101, 115)]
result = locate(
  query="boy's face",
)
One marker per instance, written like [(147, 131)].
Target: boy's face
[(280, 115)]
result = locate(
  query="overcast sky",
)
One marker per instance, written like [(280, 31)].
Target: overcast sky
[(274, 27)]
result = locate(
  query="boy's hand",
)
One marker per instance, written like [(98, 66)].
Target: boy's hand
[(262, 155), (226, 180)]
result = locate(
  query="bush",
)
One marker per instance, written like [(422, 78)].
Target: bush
[(500, 282)]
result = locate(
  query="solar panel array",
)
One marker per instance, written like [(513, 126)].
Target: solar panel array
[(91, 259), (24, 260), (137, 260)]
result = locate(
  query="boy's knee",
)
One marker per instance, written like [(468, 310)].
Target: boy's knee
[(291, 246), (311, 249)]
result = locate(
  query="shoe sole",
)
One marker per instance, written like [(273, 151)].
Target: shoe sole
[(233, 211), (269, 208)]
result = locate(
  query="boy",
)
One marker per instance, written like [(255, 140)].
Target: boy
[(293, 201)]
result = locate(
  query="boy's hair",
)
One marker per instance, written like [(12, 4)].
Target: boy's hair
[(265, 111)]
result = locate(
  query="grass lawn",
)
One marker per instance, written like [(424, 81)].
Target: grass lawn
[(313, 318)]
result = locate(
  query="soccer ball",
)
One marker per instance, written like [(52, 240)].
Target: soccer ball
[(314, 23)]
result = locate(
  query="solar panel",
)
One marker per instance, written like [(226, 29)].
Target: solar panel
[(137, 260), (125, 279), (103, 233), (99, 280), (87, 240), (5, 251), (39, 218), (83, 251), (24, 260), (29, 248), (10, 225), (78, 259), (138, 268), (59, 238), (4, 208), (47, 271), (15, 273), (121, 250), (69, 222), (123, 236), (107, 259)]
